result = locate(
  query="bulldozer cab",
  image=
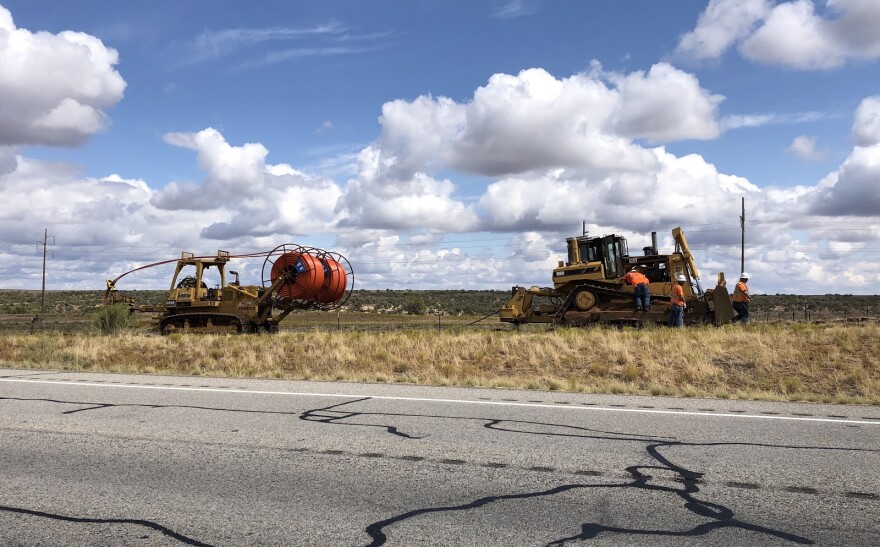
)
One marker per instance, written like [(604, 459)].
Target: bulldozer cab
[(193, 278), (610, 250)]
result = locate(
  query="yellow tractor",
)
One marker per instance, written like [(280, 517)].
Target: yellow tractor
[(589, 287), (201, 300)]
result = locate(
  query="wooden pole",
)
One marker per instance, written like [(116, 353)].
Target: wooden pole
[(43, 292), (742, 224)]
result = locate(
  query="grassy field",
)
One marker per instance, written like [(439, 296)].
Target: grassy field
[(832, 363), (819, 348)]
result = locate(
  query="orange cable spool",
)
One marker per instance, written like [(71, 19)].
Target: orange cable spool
[(304, 273), (335, 282)]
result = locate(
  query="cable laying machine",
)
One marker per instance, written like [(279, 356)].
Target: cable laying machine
[(293, 278), (589, 287)]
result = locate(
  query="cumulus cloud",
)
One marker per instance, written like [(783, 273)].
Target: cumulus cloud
[(792, 34), (665, 104), (631, 201), (533, 121), (102, 226), (109, 225), (855, 191), (8, 161), (722, 24), (866, 127), (804, 147), (254, 197), (378, 199), (852, 189), (526, 125), (54, 88)]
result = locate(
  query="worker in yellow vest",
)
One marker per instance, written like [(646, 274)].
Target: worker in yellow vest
[(676, 309), (741, 299)]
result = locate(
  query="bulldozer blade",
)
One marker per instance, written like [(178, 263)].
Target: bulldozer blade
[(723, 309)]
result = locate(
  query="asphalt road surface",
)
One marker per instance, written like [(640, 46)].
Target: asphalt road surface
[(99, 459)]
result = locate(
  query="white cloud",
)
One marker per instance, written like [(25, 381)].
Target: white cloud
[(852, 190), (632, 201), (54, 88), (856, 191), (858, 26), (212, 44), (737, 121), (252, 198), (804, 147), (379, 200), (8, 161), (866, 127), (534, 121), (747, 120), (248, 48), (102, 226), (790, 34), (722, 24), (524, 124), (511, 9), (664, 105), (794, 36)]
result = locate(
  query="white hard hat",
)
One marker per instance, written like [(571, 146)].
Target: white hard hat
[(680, 277), (744, 275)]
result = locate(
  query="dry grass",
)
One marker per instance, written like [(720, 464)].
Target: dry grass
[(824, 363)]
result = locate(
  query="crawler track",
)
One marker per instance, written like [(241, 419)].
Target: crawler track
[(206, 323)]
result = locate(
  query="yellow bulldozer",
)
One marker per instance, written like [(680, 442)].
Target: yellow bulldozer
[(589, 287), (200, 299)]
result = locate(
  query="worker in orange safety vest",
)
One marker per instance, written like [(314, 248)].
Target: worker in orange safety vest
[(741, 299), (676, 309), (642, 295)]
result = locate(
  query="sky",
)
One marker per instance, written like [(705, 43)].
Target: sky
[(449, 144)]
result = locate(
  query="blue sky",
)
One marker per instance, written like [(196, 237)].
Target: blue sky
[(441, 143)]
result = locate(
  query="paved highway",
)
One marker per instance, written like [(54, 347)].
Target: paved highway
[(98, 459)]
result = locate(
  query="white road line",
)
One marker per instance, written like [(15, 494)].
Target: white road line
[(447, 401)]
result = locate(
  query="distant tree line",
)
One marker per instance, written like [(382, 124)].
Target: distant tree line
[(445, 302)]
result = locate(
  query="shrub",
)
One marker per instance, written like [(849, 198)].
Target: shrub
[(415, 306), (791, 384), (115, 318)]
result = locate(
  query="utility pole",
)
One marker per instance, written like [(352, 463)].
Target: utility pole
[(742, 224), (45, 244)]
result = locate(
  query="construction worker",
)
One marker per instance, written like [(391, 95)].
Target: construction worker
[(676, 310), (741, 299), (638, 280)]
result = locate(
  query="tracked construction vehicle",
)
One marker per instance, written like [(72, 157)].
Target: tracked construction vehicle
[(589, 287), (293, 278)]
